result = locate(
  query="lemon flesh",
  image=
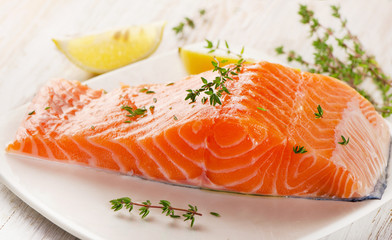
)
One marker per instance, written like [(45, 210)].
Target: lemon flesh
[(103, 52), (197, 59)]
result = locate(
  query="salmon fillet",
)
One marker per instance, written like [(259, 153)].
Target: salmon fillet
[(235, 146)]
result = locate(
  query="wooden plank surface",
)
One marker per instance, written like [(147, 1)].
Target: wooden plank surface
[(28, 59)]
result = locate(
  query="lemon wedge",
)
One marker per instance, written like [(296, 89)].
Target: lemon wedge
[(197, 59), (103, 52)]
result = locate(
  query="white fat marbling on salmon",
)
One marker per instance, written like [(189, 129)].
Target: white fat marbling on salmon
[(216, 155), (92, 161), (114, 157), (151, 156), (62, 150), (254, 160), (183, 154), (47, 149), (189, 143), (34, 148), (137, 161), (364, 138), (263, 174), (185, 173)]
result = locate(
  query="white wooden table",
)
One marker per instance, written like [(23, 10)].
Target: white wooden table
[(28, 58)]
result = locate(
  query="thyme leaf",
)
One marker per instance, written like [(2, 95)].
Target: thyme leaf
[(143, 90), (299, 149), (134, 113), (187, 22), (215, 214), (319, 113), (344, 141)]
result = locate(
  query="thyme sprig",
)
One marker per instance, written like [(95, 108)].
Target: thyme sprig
[(187, 23), (215, 88), (165, 205), (217, 46), (354, 68)]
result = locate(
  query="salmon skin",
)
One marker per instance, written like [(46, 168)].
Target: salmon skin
[(249, 144)]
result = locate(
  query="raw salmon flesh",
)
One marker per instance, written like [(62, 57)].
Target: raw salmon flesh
[(245, 145)]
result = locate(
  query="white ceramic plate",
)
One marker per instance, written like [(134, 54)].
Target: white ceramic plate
[(77, 198)]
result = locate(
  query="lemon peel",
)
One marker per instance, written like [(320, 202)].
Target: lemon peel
[(106, 51)]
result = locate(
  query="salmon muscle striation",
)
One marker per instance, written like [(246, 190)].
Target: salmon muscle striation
[(245, 145)]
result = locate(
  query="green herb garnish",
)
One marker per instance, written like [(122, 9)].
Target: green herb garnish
[(179, 28), (216, 87), (354, 67), (143, 90), (149, 92), (187, 22), (215, 214), (47, 108), (165, 205), (190, 215), (169, 84), (145, 209), (262, 109), (319, 113), (168, 209), (175, 117), (134, 113), (32, 112), (299, 149), (344, 141)]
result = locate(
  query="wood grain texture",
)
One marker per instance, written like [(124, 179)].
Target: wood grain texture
[(28, 59)]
